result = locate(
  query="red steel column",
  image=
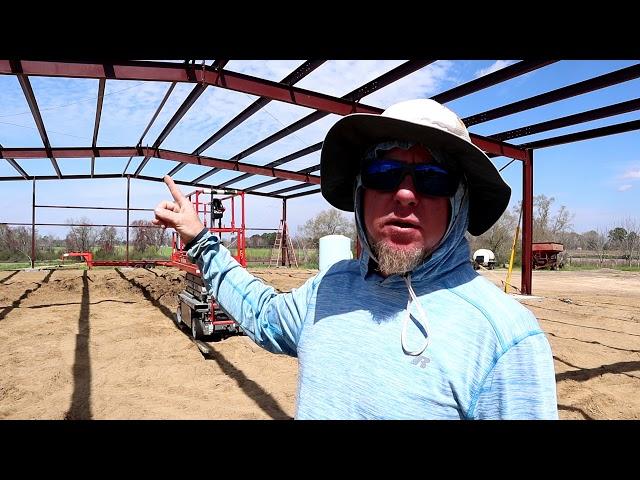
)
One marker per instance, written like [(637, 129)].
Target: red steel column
[(243, 251), (128, 190), (284, 232), (527, 222), (233, 212), (33, 224)]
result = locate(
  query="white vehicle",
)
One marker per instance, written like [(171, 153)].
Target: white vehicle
[(484, 258)]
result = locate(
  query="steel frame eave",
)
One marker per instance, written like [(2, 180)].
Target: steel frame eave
[(83, 152)]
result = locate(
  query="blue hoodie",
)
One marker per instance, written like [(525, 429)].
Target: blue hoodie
[(487, 356)]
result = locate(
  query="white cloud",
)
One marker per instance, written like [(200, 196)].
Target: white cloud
[(494, 67), (625, 187), (631, 174)]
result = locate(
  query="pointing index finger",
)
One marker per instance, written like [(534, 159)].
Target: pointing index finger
[(177, 194)]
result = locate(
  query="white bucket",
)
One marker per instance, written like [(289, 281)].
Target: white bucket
[(334, 248)]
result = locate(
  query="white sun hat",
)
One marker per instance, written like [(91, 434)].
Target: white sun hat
[(424, 121)]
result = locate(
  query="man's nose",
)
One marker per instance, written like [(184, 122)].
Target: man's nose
[(406, 193)]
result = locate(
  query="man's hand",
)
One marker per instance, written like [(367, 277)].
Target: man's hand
[(178, 214)]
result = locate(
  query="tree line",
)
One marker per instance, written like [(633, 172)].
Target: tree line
[(145, 239), (621, 240)]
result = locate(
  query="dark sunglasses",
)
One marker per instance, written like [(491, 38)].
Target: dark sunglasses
[(428, 178)]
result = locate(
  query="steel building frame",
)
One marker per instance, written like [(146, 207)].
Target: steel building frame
[(215, 75)]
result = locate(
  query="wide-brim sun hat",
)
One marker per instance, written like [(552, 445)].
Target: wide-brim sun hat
[(424, 121)]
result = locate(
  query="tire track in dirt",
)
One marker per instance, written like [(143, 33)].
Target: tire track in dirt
[(251, 388), (16, 303), (590, 313)]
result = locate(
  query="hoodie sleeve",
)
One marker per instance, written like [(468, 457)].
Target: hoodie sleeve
[(521, 385), (273, 321)]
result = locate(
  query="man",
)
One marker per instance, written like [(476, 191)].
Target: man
[(409, 330)]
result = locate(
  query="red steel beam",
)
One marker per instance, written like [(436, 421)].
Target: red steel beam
[(280, 161), (587, 116), (153, 119), (171, 124), (298, 74), (311, 169), (70, 152), (96, 126), (495, 147), (486, 81), (294, 77), (35, 112), (310, 192), (171, 72), (83, 152), (586, 86), (498, 148), (585, 135), (16, 166), (117, 175), (177, 116), (291, 189), (81, 224), (383, 80)]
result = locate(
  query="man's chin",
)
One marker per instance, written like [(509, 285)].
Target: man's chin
[(397, 258)]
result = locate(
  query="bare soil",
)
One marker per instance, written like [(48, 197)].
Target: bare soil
[(102, 344)]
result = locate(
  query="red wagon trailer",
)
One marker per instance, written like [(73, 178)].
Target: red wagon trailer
[(545, 255)]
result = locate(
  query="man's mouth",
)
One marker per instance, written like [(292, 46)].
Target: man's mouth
[(401, 224)]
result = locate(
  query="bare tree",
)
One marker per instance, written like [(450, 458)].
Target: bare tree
[(572, 240), (328, 222), (146, 235), (597, 241), (107, 240), (561, 222), (548, 226), (630, 243), (4, 237), (499, 238), (541, 211), (82, 237), (16, 240)]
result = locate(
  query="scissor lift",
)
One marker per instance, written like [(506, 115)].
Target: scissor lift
[(197, 308)]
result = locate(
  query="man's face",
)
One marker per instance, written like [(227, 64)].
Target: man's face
[(404, 219)]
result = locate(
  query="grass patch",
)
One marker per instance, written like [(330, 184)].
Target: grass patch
[(21, 265)]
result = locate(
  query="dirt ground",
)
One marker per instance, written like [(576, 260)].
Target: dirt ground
[(102, 344)]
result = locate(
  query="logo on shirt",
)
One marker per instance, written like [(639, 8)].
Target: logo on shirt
[(421, 360)]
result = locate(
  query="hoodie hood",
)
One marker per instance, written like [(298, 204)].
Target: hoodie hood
[(449, 254)]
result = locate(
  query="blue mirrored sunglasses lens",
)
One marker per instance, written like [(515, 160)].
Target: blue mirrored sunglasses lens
[(382, 175), (435, 181), (429, 179)]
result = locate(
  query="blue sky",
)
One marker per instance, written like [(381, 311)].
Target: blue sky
[(597, 180)]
